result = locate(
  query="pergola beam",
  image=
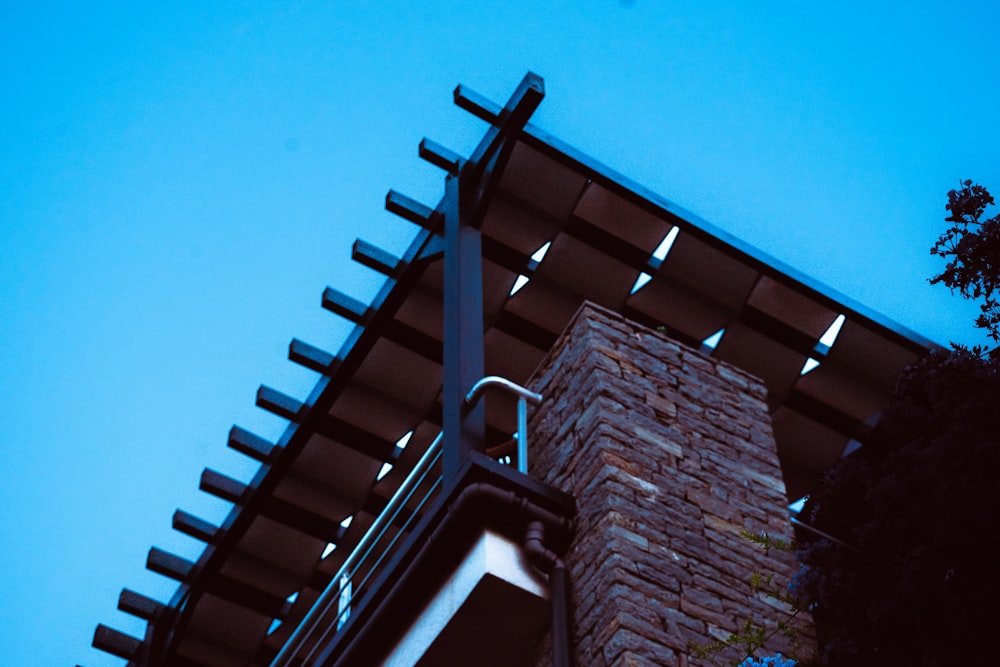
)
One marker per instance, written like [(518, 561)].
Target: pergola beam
[(194, 527), (275, 508), (116, 643), (409, 209), (139, 605), (222, 486), (356, 438), (440, 157), (280, 404), (312, 358), (375, 258), (167, 564), (479, 106), (347, 307), (251, 445)]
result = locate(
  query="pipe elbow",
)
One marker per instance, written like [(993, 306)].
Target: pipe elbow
[(535, 550)]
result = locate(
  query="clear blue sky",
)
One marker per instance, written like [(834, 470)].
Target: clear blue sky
[(177, 186)]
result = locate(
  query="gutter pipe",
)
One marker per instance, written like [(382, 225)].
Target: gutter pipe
[(549, 562)]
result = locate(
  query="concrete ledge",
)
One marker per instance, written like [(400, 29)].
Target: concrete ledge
[(494, 607)]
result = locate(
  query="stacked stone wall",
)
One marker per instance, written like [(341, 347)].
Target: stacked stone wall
[(669, 454)]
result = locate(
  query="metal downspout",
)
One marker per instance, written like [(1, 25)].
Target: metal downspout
[(549, 563)]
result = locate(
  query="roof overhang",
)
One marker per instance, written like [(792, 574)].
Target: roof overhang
[(602, 232)]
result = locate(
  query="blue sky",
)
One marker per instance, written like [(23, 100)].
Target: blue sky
[(178, 185)]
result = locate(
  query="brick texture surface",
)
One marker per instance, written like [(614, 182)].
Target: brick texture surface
[(669, 454)]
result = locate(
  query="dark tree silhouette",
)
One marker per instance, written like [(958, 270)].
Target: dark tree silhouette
[(919, 502), (972, 247)]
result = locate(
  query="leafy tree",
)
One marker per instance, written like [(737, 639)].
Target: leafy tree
[(918, 504), (972, 247)]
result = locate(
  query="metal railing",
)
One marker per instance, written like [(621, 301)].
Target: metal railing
[(524, 396), (345, 587), (340, 592)]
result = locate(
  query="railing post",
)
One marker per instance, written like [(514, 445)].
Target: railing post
[(522, 435), (523, 396)]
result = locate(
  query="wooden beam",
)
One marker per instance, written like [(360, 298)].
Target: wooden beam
[(251, 445), (347, 307), (300, 519), (410, 209), (440, 157), (272, 507), (116, 643), (280, 404), (139, 605), (197, 528), (827, 415), (221, 585), (477, 105), (356, 438), (312, 358), (222, 486), (246, 595), (414, 340), (375, 258), (169, 565), (484, 168)]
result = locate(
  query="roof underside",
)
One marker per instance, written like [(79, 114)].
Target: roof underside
[(603, 232)]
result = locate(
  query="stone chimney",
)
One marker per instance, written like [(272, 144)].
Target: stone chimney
[(669, 454)]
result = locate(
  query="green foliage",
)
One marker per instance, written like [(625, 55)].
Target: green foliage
[(972, 247), (766, 542), (753, 636)]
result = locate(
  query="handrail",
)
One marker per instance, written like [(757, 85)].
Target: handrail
[(331, 593), (501, 383), (523, 396), (345, 601)]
